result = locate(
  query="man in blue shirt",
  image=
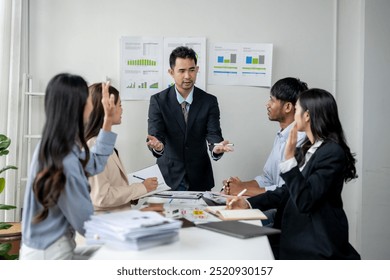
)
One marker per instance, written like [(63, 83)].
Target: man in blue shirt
[(280, 108)]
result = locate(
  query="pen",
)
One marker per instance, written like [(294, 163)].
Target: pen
[(240, 194), (135, 176), (226, 185), (219, 144)]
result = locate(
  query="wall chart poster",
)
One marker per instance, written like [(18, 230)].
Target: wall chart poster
[(141, 67), (242, 64), (144, 64)]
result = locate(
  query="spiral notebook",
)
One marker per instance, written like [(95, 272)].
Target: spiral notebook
[(238, 229)]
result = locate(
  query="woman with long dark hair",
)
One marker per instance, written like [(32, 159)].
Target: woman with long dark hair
[(110, 189), (310, 209), (57, 201)]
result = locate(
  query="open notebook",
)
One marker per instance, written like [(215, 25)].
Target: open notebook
[(151, 171), (236, 214)]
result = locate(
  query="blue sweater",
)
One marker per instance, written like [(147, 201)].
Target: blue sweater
[(74, 205)]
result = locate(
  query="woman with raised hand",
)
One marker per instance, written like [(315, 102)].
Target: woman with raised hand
[(57, 201), (110, 189), (310, 209)]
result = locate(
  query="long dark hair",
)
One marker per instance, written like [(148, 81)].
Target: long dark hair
[(65, 99), (96, 117), (325, 124)]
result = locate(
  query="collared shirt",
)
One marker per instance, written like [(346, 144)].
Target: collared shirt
[(289, 164), (270, 179), (189, 98)]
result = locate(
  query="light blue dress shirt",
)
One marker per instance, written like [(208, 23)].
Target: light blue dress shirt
[(270, 179), (189, 98)]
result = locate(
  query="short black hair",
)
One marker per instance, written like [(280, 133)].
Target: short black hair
[(181, 52), (288, 89)]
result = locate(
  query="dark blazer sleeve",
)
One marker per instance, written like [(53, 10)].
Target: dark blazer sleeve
[(322, 178), (156, 125), (214, 131), (269, 199)]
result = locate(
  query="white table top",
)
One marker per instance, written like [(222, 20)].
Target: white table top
[(197, 244)]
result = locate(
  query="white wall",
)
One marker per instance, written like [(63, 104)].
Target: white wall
[(82, 37), (350, 101), (376, 156), (362, 95)]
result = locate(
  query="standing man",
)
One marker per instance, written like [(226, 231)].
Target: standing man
[(182, 119), (281, 108)]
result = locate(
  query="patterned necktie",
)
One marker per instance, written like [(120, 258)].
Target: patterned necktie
[(184, 109)]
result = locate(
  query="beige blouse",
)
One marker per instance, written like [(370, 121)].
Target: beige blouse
[(110, 190)]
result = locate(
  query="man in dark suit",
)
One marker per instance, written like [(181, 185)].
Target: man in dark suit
[(182, 119)]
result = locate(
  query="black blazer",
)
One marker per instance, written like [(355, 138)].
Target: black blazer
[(185, 151), (310, 208)]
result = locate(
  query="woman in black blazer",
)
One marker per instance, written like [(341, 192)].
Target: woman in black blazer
[(310, 208)]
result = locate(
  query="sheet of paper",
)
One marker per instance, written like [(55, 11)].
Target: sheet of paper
[(148, 172), (180, 195)]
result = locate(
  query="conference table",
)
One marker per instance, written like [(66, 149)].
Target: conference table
[(195, 243)]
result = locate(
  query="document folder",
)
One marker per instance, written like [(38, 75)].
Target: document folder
[(238, 229)]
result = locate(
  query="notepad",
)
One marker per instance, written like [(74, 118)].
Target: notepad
[(236, 214), (238, 229)]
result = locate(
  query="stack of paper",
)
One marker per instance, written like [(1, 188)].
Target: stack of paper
[(131, 229)]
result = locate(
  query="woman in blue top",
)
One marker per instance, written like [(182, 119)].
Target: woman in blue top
[(57, 201), (310, 208)]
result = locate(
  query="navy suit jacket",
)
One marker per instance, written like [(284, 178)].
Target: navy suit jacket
[(310, 208), (185, 146)]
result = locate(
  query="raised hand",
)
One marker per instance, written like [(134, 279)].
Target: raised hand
[(108, 102), (291, 143)]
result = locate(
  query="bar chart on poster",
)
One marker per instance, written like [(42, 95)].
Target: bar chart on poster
[(244, 64), (141, 67), (145, 64)]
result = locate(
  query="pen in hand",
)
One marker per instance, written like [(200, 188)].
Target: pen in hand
[(234, 200), (226, 187), (135, 176)]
